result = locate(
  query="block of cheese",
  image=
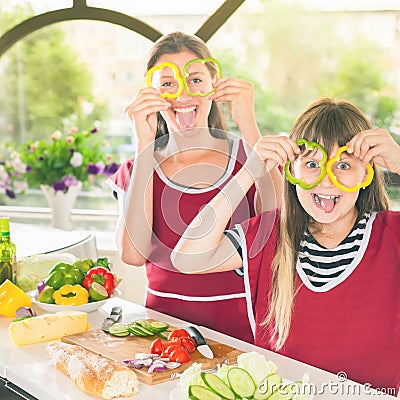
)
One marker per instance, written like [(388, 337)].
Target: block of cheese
[(47, 327)]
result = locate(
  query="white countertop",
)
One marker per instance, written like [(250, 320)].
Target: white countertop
[(31, 368)]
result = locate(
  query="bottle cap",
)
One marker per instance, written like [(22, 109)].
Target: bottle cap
[(4, 224)]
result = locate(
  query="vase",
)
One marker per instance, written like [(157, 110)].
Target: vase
[(61, 204)]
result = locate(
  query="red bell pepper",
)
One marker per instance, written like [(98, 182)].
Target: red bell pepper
[(101, 276)]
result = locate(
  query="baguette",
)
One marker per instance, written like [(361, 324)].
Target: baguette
[(92, 373)]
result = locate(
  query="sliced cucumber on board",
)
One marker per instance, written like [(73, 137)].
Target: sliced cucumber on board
[(141, 327), (119, 329)]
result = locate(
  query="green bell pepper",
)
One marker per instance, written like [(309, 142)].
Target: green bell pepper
[(299, 181), (63, 274)]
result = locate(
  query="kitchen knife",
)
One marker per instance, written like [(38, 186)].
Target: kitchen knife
[(115, 316), (201, 343)]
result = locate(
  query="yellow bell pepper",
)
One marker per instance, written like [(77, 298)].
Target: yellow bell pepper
[(71, 295), (332, 177), (12, 298)]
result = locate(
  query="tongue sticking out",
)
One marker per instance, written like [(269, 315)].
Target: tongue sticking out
[(326, 205), (185, 119)]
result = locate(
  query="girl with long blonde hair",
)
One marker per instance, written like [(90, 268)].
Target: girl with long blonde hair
[(322, 272)]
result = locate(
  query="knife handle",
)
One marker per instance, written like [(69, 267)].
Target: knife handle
[(196, 335)]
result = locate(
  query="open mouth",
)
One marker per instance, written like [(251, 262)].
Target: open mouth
[(326, 203), (185, 116)]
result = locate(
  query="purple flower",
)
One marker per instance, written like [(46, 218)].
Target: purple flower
[(40, 158), (69, 181), (59, 186), (94, 130), (10, 194), (110, 169), (93, 169), (28, 168)]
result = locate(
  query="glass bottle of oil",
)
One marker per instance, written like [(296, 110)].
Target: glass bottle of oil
[(8, 256)]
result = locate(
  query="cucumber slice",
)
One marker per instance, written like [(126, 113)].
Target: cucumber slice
[(197, 392), (217, 385), (286, 392), (163, 334), (132, 328), (158, 326), (144, 331), (153, 326), (241, 382), (119, 329), (267, 386)]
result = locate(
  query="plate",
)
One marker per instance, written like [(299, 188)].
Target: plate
[(88, 307)]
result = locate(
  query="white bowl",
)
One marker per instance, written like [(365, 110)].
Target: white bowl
[(88, 307)]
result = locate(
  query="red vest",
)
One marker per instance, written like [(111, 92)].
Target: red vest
[(353, 327), (217, 300)]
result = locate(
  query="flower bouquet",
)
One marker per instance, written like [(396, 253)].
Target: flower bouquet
[(67, 160)]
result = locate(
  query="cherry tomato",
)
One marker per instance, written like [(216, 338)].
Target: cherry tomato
[(179, 355), (168, 350), (188, 344), (173, 341), (156, 347), (178, 333)]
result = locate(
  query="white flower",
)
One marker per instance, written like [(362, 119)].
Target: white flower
[(56, 135), (18, 165), (20, 186), (3, 174), (76, 159)]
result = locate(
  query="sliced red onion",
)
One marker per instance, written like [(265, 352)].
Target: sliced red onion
[(165, 359), (145, 356), (133, 363), (25, 312), (41, 286), (156, 367), (172, 365)]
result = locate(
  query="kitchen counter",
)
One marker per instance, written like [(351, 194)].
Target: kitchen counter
[(30, 367)]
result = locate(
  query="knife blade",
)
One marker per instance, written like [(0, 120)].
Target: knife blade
[(115, 316), (201, 342)]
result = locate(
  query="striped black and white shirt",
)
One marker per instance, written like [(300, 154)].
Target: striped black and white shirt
[(320, 265), (319, 268)]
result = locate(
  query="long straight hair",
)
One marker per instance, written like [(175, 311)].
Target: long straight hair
[(177, 42), (330, 122)]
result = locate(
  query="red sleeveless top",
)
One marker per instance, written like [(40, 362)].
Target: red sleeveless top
[(216, 300), (353, 327)]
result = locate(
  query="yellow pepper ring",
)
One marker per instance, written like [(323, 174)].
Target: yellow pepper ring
[(334, 180), (177, 76), (203, 61), (71, 295)]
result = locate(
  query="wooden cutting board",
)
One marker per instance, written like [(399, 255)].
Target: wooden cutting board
[(124, 348)]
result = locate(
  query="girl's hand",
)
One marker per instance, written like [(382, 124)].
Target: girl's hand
[(269, 152), (240, 95), (143, 113), (378, 146)]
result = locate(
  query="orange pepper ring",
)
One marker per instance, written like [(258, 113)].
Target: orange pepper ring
[(177, 75), (334, 180)]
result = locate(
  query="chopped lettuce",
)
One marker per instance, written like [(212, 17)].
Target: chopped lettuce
[(190, 376), (256, 365), (31, 270)]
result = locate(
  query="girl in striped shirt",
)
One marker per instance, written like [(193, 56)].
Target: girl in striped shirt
[(323, 272)]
